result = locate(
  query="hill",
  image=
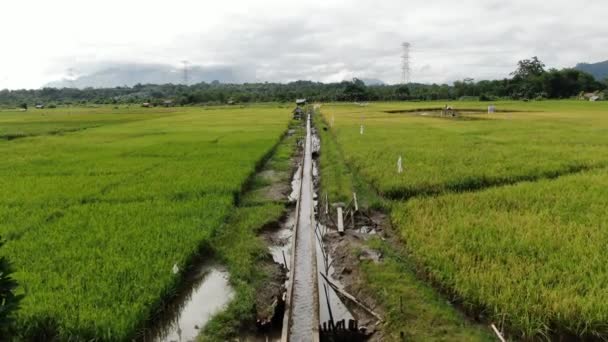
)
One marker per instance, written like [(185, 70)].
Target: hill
[(130, 74), (598, 70)]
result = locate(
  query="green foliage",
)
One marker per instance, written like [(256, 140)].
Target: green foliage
[(355, 91), (402, 92), (484, 97), (530, 79), (527, 68), (96, 218), (9, 300)]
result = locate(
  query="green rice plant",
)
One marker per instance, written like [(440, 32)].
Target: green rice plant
[(505, 212), (95, 218), (532, 254), (441, 154)]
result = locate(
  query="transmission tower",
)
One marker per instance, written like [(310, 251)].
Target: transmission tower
[(71, 77), (405, 63), (185, 63)]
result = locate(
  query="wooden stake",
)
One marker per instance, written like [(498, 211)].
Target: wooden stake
[(340, 221), (351, 298), (498, 334), (285, 260)]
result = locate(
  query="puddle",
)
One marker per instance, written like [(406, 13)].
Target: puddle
[(280, 248), (188, 313), (295, 185)]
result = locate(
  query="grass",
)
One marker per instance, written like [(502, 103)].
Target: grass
[(95, 219), (506, 212), (411, 306)]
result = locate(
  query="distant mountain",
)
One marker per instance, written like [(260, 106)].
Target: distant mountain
[(129, 74), (372, 81), (598, 70)]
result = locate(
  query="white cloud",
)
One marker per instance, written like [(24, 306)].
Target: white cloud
[(288, 40)]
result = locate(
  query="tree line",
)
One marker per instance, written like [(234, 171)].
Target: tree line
[(529, 81)]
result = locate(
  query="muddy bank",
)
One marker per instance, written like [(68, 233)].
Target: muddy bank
[(346, 251)]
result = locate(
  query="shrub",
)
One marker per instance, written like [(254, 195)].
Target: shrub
[(9, 302)]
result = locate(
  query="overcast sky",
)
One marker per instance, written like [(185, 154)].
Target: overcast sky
[(281, 40)]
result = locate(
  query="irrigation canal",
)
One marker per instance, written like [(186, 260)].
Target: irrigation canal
[(313, 310), (310, 303)]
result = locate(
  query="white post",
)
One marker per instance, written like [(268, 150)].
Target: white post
[(399, 165), (361, 130), (340, 221)]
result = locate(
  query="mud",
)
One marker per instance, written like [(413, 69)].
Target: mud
[(347, 252), (269, 302)]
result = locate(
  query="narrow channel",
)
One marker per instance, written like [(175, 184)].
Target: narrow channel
[(305, 301)]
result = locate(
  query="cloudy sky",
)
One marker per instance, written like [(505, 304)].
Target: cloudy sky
[(282, 40)]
